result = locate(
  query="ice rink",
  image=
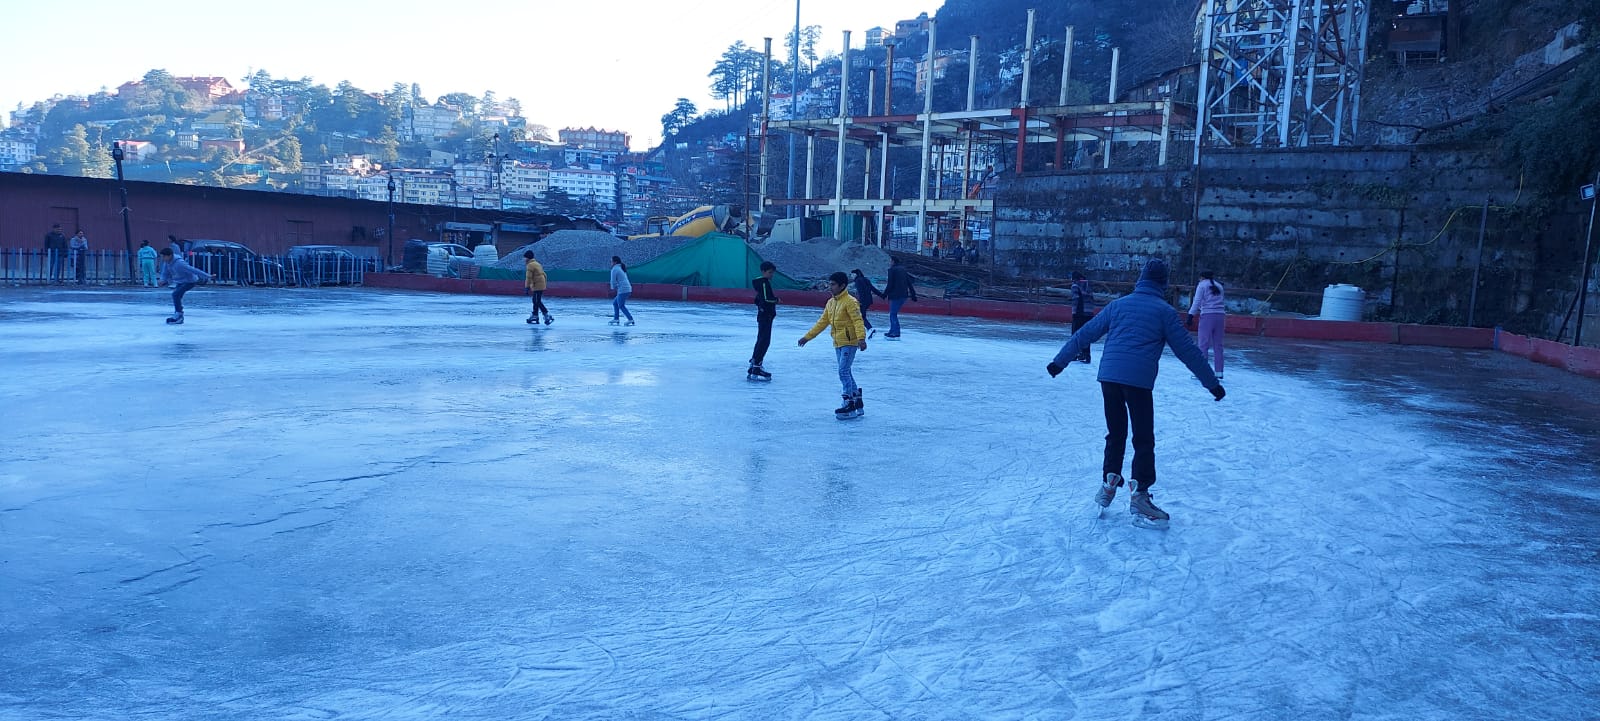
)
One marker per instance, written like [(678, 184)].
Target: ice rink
[(359, 504)]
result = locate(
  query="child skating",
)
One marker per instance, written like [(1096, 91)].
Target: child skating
[(1210, 304), (183, 277), (534, 279), (849, 335), (621, 288), (1137, 327), (766, 311)]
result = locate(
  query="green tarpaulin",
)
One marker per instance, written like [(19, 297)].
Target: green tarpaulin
[(715, 260)]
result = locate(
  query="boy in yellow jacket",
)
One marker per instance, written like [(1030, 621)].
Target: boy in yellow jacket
[(535, 280), (849, 335)]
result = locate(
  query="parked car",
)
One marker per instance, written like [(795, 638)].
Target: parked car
[(452, 249), (323, 265), (230, 262)]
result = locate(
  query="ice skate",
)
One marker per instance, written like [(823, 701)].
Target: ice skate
[(1108, 489), (1145, 513), (861, 406), (757, 373), (614, 321), (548, 319), (533, 319), (175, 319), (848, 410), (629, 323)]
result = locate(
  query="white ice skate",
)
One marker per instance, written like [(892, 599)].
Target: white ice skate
[(1145, 513)]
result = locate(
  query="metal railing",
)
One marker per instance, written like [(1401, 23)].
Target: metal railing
[(36, 266)]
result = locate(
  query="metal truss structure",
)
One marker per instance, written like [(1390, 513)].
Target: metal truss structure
[(1280, 73)]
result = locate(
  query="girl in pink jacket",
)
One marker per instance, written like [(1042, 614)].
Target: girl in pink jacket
[(1209, 305)]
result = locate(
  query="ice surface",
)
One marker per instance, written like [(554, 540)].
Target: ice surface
[(350, 504)]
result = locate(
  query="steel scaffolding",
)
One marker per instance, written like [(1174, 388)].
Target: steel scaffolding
[(1280, 73)]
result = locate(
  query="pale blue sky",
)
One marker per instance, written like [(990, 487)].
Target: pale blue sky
[(612, 64)]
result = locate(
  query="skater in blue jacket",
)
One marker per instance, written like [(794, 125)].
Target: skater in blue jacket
[(1137, 327), (183, 277)]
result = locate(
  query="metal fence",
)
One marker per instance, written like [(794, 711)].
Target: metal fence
[(34, 266)]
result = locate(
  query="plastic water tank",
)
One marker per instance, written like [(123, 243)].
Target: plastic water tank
[(1342, 302), (438, 262), (485, 254)]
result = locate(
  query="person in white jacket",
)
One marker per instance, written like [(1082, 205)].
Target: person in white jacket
[(1209, 304), (620, 289)]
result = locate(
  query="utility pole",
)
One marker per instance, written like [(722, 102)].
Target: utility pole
[(1477, 265), (794, 102), (388, 256), (127, 229)]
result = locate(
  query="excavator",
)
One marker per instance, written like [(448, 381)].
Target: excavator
[(695, 223)]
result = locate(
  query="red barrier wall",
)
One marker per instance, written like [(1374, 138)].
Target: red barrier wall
[(1583, 361)]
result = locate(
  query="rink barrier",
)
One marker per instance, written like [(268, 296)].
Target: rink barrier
[(1583, 361)]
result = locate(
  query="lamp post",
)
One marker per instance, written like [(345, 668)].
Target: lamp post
[(389, 255), (1588, 193), (127, 229), (794, 103)]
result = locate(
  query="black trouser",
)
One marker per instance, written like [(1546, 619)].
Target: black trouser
[(865, 304), (538, 303), (763, 335), (177, 296), (1126, 403), (1078, 321)]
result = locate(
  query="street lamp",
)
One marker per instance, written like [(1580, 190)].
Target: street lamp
[(1587, 193), (127, 230)]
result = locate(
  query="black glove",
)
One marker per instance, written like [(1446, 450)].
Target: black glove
[(1218, 393), (1055, 369), (1189, 323)]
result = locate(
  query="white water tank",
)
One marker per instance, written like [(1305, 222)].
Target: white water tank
[(1342, 302), (438, 262)]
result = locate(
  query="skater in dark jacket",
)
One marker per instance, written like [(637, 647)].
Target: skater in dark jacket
[(1082, 299), (183, 277), (1137, 327), (863, 290), (533, 277), (766, 311), (897, 290)]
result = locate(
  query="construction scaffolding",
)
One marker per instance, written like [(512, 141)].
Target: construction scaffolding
[(959, 140), (1280, 73)]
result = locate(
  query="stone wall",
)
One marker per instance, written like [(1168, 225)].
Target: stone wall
[(1402, 223)]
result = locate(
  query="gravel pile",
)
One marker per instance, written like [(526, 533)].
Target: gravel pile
[(590, 250), (820, 257)]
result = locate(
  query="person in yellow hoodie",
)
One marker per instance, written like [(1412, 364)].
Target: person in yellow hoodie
[(843, 314), (534, 278)]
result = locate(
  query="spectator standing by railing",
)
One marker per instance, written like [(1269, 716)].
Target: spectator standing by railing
[(79, 247), (147, 264), (55, 250)]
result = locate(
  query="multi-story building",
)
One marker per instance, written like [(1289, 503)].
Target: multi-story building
[(907, 28), (941, 65), (597, 186), (16, 152), (138, 151), (209, 88), (474, 176), (530, 179), (375, 187), (424, 187), (431, 122), (595, 139), (876, 36)]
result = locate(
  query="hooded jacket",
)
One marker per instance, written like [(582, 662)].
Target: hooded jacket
[(844, 315), (1137, 327), (179, 272)]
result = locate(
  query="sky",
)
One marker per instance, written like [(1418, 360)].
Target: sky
[(611, 64)]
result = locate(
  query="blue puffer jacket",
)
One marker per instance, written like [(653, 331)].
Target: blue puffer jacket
[(1137, 327)]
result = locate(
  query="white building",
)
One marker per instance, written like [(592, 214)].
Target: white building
[(431, 122), (375, 187), (16, 153), (529, 179), (597, 186), (425, 187), (474, 176)]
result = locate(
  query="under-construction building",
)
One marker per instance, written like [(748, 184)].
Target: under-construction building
[(1271, 73)]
